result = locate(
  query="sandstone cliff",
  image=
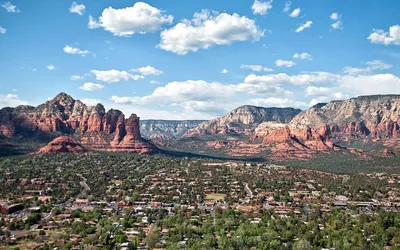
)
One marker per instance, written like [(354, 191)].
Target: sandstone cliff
[(376, 116), (92, 126), (63, 144), (243, 120)]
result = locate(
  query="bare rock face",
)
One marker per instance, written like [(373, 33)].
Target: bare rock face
[(243, 120), (377, 116), (128, 139), (163, 130), (63, 144), (62, 115)]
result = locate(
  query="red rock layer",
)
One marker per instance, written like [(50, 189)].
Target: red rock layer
[(63, 144), (127, 137), (64, 115)]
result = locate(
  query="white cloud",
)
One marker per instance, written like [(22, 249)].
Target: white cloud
[(77, 8), (277, 102), (287, 6), (387, 38), (148, 70), (76, 51), (338, 25), (2, 30), (76, 77), (155, 82), (93, 24), (317, 91), (370, 84), (256, 67), (175, 92), (283, 63), (303, 56), (283, 79), (371, 66), (328, 98), (89, 86), (224, 71), (334, 16), (111, 76), (207, 29), (261, 8), (11, 100), (9, 7), (90, 102), (140, 18), (304, 26), (51, 67), (295, 13)]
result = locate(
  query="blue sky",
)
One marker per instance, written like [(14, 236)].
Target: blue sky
[(197, 59)]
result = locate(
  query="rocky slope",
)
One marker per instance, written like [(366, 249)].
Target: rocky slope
[(92, 126), (376, 116), (243, 120), (166, 129), (374, 119), (63, 144)]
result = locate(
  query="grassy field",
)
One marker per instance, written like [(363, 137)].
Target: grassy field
[(215, 197)]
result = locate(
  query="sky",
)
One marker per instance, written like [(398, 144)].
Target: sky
[(197, 59)]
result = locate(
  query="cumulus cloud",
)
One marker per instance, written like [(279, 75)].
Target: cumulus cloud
[(328, 98), (77, 8), (304, 26), (89, 86), (317, 91), (261, 8), (224, 71), (208, 29), (11, 100), (334, 16), (140, 18), (295, 13), (2, 30), (370, 84), (51, 67), (303, 56), (338, 23), (277, 102), (287, 6), (9, 7), (371, 66), (173, 92), (256, 67), (90, 102), (112, 76), (284, 79), (387, 38), (148, 70), (75, 51), (283, 63)]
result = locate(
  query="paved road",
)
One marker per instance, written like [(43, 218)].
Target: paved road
[(248, 190)]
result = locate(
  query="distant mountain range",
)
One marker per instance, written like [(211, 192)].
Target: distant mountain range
[(282, 132)]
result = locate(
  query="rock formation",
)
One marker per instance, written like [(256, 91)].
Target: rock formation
[(128, 139), (63, 144), (93, 126), (378, 116), (159, 130), (243, 120)]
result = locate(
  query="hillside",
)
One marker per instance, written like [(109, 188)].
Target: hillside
[(243, 120), (166, 129)]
